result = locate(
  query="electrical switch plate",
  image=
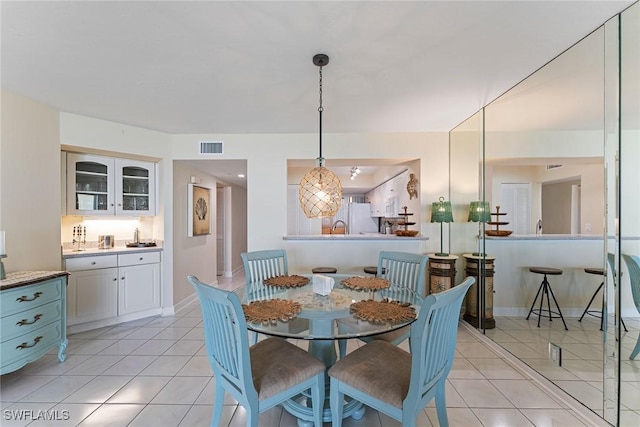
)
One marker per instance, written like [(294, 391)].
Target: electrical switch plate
[(555, 354)]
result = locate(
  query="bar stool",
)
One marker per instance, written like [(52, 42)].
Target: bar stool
[(321, 270), (545, 290), (597, 313), (373, 269)]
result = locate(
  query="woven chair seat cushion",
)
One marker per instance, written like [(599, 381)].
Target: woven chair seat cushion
[(277, 365), (379, 369)]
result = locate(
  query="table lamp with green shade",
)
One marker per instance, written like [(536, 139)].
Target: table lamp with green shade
[(441, 212), (479, 212)]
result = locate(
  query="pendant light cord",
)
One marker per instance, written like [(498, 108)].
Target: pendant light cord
[(320, 109)]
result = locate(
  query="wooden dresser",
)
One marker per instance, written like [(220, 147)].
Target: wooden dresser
[(33, 318)]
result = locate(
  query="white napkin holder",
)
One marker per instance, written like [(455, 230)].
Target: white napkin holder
[(322, 285)]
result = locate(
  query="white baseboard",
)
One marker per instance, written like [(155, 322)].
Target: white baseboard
[(186, 303)]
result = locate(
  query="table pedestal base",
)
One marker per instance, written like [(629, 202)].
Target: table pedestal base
[(298, 408)]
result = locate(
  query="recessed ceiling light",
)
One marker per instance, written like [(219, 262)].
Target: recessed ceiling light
[(240, 175)]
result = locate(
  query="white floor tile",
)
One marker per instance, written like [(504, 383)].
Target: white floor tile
[(552, 418), (140, 390), (480, 394), (160, 415), (58, 389), (181, 390), (112, 415), (524, 394), (166, 365), (501, 417), (197, 366), (98, 390), (130, 365)]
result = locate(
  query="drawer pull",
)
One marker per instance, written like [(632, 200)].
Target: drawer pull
[(24, 298), (26, 322), (25, 345), (93, 263), (141, 258)]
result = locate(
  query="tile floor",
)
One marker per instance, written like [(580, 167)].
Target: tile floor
[(154, 372), (581, 372)]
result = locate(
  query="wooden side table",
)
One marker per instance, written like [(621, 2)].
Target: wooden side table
[(473, 268), (442, 272)]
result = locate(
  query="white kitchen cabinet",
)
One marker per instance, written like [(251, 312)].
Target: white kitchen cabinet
[(109, 289), (139, 284), (297, 222), (100, 185), (92, 293)]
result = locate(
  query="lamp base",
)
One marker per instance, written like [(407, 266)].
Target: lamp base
[(441, 254), (478, 254)]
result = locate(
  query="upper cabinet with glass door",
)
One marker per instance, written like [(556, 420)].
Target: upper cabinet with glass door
[(99, 185)]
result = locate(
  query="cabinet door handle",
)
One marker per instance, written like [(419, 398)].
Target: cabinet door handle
[(24, 298), (25, 345), (141, 258), (115, 279), (122, 278), (26, 322)]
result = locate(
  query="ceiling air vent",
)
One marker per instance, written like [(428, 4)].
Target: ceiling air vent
[(553, 166), (210, 147)]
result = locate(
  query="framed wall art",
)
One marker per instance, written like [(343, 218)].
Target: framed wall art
[(199, 211)]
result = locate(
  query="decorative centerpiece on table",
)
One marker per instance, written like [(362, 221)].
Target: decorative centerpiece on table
[(405, 222), (497, 232)]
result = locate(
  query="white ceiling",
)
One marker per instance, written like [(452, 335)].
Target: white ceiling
[(245, 67)]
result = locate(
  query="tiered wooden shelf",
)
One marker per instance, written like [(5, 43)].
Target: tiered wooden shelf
[(405, 222), (498, 223)]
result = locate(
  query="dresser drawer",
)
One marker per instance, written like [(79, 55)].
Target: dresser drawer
[(30, 345), (29, 320), (91, 262), (138, 258), (27, 297)]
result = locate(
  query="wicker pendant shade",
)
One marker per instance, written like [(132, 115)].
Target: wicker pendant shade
[(320, 193), (320, 190)]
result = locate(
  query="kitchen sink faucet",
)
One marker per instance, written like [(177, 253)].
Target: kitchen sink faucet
[(335, 225)]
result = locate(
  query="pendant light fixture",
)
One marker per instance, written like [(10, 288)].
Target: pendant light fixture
[(320, 191)]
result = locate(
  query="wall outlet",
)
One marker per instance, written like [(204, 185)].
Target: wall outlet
[(587, 227), (555, 354)]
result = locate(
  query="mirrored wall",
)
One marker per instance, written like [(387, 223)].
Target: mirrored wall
[(556, 159)]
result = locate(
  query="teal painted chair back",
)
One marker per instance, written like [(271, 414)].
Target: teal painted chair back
[(403, 269), (433, 342), (283, 370), (260, 265), (633, 265), (226, 340)]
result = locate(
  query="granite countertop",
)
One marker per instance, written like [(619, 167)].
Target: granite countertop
[(362, 236), (23, 278), (548, 237), (113, 251)]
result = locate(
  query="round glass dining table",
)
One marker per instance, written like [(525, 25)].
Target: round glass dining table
[(323, 319)]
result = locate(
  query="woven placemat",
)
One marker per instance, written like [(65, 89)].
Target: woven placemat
[(270, 311), (293, 281), (384, 311), (365, 283)]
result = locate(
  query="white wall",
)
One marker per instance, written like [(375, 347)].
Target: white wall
[(267, 171), (30, 197)]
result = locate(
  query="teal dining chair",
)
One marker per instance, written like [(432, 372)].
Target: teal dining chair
[(400, 383), (258, 377), (261, 265), (404, 270), (633, 265)]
